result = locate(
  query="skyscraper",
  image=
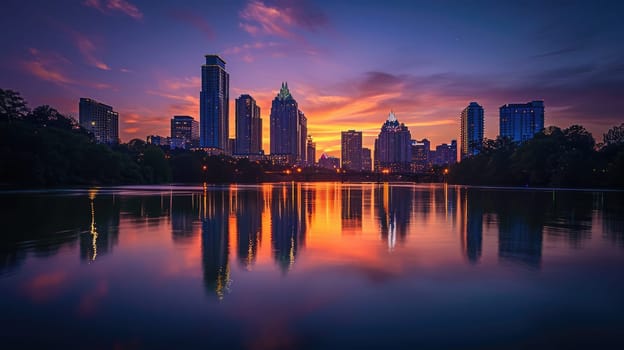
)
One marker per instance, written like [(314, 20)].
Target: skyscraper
[(248, 126), (471, 130), (393, 146), (445, 154), (520, 122), (214, 101), (311, 151), (421, 161), (351, 145), (184, 131), (367, 162), (288, 128), (302, 137), (99, 119)]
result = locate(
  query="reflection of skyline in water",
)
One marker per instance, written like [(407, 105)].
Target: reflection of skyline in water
[(351, 209), (394, 207), (184, 216), (103, 232), (472, 226), (288, 223), (286, 215), (215, 242), (249, 205)]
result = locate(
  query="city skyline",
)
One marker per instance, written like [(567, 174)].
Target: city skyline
[(323, 51)]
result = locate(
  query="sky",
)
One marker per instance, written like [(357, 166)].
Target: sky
[(347, 63)]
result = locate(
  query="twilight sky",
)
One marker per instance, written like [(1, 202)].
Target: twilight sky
[(347, 63)]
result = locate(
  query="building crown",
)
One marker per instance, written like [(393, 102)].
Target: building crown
[(392, 117), (284, 92)]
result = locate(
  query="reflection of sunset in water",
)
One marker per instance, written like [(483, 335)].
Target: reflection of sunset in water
[(274, 265)]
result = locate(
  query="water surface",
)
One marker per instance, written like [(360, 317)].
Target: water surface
[(319, 265)]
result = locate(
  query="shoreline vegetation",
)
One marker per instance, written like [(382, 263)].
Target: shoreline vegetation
[(41, 148)]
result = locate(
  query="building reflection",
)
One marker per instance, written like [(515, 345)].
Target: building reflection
[(394, 207), (520, 226), (103, 232), (288, 223), (351, 209), (183, 216), (249, 205), (471, 225), (215, 241)]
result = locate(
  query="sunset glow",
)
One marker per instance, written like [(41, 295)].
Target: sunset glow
[(346, 65)]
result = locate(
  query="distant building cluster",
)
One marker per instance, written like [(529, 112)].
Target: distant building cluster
[(290, 144)]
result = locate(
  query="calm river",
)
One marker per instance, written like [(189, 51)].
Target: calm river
[(311, 265)]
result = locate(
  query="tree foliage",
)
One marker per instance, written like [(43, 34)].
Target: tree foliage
[(553, 158)]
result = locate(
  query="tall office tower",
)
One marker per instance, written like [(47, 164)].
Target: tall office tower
[(351, 145), (446, 154), (184, 131), (288, 127), (471, 130), (520, 122), (214, 107), (256, 135), (310, 151), (421, 161), (302, 136), (367, 161), (100, 119), (393, 149), (248, 126)]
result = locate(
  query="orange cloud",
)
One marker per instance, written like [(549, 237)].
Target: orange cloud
[(46, 67), (281, 20), (87, 48)]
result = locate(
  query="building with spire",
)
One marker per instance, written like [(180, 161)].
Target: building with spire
[(289, 132), (393, 147), (214, 101)]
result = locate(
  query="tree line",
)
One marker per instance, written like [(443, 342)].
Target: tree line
[(41, 147), (554, 157)]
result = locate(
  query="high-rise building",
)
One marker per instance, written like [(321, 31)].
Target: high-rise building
[(214, 107), (311, 151), (288, 128), (421, 161), (393, 149), (445, 154), (351, 145), (184, 131), (520, 122), (367, 161), (99, 119), (302, 137), (248, 126), (471, 130)]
